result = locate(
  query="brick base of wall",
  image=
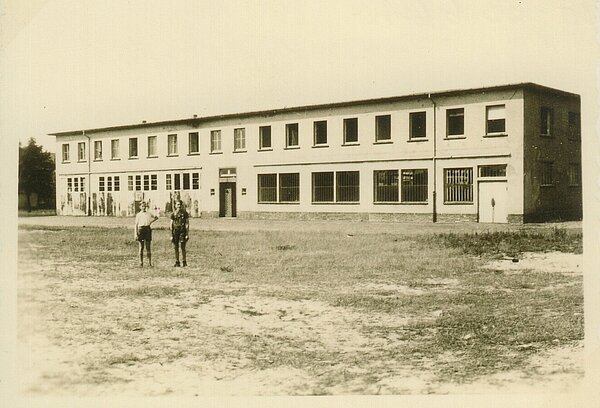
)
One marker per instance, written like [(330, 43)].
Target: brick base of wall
[(457, 218), (556, 216), (515, 218)]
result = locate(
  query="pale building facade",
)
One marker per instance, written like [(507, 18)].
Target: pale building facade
[(499, 154)]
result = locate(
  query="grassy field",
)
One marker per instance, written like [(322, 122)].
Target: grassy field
[(292, 312)]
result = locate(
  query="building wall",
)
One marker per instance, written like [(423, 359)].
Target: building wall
[(471, 150), (562, 198)]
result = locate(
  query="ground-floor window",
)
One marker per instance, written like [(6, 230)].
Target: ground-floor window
[(286, 191), (385, 186), (494, 170), (181, 181), (414, 187), (75, 184), (574, 174), (458, 185), (289, 187), (267, 188), (347, 187), (322, 187), (546, 173)]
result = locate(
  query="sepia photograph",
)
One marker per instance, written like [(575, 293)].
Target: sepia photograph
[(299, 203)]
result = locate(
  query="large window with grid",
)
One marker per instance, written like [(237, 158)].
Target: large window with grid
[(322, 187), (239, 139), (385, 186), (458, 185), (383, 128), (347, 186), (289, 187), (267, 188), (413, 187)]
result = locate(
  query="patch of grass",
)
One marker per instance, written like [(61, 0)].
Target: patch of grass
[(512, 243), (143, 291)]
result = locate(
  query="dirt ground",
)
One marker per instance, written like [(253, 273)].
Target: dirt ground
[(144, 369)]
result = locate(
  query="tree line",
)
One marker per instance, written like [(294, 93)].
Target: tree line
[(37, 183)]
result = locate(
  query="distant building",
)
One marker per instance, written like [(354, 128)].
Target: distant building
[(507, 153)]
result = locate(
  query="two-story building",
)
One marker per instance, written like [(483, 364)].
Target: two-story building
[(507, 153)]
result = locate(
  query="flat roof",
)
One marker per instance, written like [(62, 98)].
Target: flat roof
[(196, 121)]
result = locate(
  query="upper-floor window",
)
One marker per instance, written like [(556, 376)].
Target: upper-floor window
[(133, 147), (114, 149), (546, 121), (291, 135), (172, 145), (215, 141), (264, 137), (417, 125), (81, 151), (350, 130), (546, 173), (320, 132), (574, 125), (65, 152), (383, 128), (495, 119), (458, 185), (151, 146), (574, 174), (455, 122), (239, 139), (193, 143), (98, 150)]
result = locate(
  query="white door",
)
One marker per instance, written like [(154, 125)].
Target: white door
[(492, 201)]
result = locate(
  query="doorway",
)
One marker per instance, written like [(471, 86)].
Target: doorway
[(227, 199), (493, 197)]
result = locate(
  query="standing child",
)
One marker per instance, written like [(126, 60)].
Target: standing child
[(143, 232), (180, 227)]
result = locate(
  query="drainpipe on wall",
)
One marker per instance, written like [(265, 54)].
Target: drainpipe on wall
[(89, 172), (434, 209)]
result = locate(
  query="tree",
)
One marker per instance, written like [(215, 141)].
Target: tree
[(36, 173)]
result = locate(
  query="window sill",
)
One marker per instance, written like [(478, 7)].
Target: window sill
[(378, 142), (463, 203), (66, 162), (133, 158), (319, 146), (172, 155), (115, 159), (194, 154), (98, 160), (546, 136), (546, 185), (417, 140), (291, 148), (216, 153), (400, 203), (152, 157), (240, 151), (492, 135), (335, 202), (458, 137), (268, 149), (81, 161), (351, 144)]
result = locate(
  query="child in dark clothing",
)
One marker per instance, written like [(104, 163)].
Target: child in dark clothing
[(180, 227)]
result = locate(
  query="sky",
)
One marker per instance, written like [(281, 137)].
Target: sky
[(72, 65)]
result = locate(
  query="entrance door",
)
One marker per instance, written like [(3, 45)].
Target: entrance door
[(492, 201), (227, 199)]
